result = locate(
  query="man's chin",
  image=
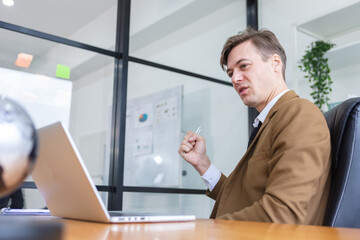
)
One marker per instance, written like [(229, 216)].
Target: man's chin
[(247, 102)]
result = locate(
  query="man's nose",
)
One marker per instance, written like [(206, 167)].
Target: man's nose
[(236, 77)]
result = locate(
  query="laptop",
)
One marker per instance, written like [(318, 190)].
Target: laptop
[(67, 187)]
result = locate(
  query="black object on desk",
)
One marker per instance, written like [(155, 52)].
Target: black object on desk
[(19, 228)]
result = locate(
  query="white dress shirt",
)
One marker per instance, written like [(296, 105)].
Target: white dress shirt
[(212, 175)]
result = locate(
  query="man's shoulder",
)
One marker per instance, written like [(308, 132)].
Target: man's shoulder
[(302, 103), (297, 109), (299, 113), (293, 101), (290, 103)]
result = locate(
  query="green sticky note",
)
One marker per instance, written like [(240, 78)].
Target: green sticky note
[(62, 71)]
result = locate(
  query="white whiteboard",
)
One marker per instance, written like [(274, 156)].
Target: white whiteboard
[(46, 99), (153, 134)]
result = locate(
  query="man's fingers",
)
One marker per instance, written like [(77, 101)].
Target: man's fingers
[(191, 136), (185, 147), (187, 144)]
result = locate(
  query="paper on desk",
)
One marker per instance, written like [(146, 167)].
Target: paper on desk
[(42, 212)]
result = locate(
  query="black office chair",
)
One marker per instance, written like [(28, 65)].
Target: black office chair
[(343, 208)]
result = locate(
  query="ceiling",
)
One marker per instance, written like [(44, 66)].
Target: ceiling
[(93, 22), (60, 18)]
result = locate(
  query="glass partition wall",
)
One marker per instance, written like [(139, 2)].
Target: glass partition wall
[(129, 82), (62, 69)]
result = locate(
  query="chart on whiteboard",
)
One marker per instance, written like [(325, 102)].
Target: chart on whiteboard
[(153, 133)]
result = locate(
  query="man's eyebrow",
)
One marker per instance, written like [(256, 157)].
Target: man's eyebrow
[(241, 60), (237, 63)]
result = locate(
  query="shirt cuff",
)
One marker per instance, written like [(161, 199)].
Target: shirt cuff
[(211, 177)]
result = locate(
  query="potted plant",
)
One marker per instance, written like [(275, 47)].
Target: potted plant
[(317, 70)]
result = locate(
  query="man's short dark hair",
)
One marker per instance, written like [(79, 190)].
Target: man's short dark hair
[(264, 41)]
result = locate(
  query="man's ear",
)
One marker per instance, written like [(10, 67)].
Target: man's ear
[(277, 63)]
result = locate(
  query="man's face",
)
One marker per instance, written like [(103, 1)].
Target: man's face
[(252, 77)]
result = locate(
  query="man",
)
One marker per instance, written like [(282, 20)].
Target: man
[(284, 175), (14, 200), (17, 199)]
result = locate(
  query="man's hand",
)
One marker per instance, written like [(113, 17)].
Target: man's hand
[(193, 150)]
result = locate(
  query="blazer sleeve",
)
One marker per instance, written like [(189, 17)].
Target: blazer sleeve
[(299, 157), (215, 192)]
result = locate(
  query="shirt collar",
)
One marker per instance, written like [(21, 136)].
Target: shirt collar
[(261, 117)]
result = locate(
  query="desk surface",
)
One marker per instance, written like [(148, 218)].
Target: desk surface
[(200, 229)]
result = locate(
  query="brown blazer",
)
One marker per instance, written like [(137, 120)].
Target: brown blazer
[(284, 175)]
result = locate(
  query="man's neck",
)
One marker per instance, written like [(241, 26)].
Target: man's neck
[(261, 117), (280, 87)]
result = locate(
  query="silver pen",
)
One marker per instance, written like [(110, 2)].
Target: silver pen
[(198, 130)]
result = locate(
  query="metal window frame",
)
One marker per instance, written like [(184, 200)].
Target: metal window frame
[(252, 20)]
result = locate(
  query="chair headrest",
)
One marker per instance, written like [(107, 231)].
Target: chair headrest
[(336, 119)]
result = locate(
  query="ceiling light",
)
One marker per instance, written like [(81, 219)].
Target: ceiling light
[(8, 3)]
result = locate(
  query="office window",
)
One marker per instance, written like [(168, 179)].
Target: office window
[(213, 106), (62, 83)]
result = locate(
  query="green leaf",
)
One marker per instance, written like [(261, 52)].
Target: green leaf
[(316, 69)]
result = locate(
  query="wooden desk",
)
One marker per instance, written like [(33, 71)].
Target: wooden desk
[(202, 229)]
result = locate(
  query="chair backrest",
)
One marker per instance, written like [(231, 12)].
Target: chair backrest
[(343, 208)]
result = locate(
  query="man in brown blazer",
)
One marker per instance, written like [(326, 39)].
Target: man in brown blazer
[(284, 175)]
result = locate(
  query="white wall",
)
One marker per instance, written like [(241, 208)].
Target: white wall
[(282, 17), (346, 83)]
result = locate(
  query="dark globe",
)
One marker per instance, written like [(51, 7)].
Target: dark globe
[(18, 145)]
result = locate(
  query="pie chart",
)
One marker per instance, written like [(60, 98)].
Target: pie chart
[(143, 117)]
